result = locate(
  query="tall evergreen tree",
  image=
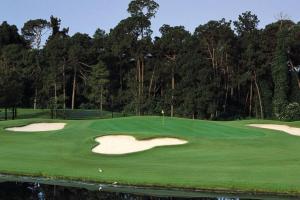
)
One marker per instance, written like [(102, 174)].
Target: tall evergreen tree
[(33, 32), (280, 73), (98, 82)]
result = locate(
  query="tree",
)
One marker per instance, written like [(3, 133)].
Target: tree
[(170, 44), (33, 31), (9, 35), (294, 62), (55, 26), (141, 12), (218, 72), (215, 41), (57, 48), (143, 8), (269, 43), (57, 53), (249, 38), (99, 41), (11, 57), (280, 74), (79, 51), (98, 81), (246, 23), (11, 86)]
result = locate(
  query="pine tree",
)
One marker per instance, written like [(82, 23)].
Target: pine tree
[(98, 83), (280, 74)]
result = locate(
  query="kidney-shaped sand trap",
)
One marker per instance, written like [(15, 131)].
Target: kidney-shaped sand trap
[(124, 144), (37, 127), (284, 128)]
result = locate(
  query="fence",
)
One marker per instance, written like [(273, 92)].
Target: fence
[(23, 113)]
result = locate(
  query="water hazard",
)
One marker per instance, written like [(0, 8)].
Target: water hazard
[(29, 188)]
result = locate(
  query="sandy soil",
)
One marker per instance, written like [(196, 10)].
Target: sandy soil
[(37, 127), (284, 128), (123, 144)]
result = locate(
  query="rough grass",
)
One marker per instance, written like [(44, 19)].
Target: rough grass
[(219, 155)]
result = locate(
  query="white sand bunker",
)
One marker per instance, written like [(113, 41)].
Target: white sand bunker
[(37, 127), (124, 144), (284, 128)]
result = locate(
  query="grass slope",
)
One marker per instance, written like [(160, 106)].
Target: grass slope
[(219, 155)]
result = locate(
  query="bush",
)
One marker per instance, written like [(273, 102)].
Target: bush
[(87, 106), (291, 112)]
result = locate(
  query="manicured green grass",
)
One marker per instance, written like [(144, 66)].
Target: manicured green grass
[(219, 155)]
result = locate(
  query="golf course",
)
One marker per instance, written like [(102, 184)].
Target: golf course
[(217, 155)]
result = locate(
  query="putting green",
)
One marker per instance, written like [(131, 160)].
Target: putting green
[(218, 155)]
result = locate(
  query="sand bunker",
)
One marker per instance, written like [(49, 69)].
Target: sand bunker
[(284, 128), (37, 127), (123, 144)]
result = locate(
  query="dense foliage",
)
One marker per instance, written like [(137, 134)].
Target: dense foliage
[(223, 70)]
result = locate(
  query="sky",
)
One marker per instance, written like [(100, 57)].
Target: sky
[(86, 16)]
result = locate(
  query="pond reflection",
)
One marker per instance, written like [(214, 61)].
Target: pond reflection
[(20, 188), (36, 191)]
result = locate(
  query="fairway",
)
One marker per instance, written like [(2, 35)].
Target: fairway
[(218, 155)]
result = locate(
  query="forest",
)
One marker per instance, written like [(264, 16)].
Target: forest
[(223, 70)]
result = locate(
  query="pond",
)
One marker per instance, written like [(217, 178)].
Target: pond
[(31, 188)]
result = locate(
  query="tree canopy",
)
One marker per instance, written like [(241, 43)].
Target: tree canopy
[(222, 70)]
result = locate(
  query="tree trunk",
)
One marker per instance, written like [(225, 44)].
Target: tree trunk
[(142, 82), (296, 73), (172, 58), (226, 83), (120, 78), (250, 100), (173, 88), (74, 90), (112, 106), (259, 97), (5, 115), (35, 98), (142, 77), (226, 97), (51, 112), (298, 79), (55, 99), (139, 87), (151, 82), (13, 113), (36, 77), (101, 99), (64, 85), (246, 101)]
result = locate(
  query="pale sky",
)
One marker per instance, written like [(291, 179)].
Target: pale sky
[(87, 15)]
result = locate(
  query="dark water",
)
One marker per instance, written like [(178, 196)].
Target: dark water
[(30, 188), (31, 191)]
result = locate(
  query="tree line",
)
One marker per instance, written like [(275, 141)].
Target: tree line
[(223, 70)]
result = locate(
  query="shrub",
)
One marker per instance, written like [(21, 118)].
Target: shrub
[(291, 112)]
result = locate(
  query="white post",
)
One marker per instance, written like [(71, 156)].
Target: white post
[(163, 117)]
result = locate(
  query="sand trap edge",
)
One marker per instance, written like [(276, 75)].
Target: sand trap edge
[(278, 127), (96, 139)]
